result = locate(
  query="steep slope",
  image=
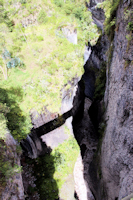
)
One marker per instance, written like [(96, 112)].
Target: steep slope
[(38, 64), (110, 174), (11, 184), (105, 136), (105, 139), (117, 145)]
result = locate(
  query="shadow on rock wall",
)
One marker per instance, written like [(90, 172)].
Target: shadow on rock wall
[(38, 180)]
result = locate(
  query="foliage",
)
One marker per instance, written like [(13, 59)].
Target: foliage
[(15, 62), (11, 115), (128, 17), (110, 8), (59, 3), (8, 167), (78, 12), (128, 14), (3, 121), (69, 8), (130, 26), (40, 38), (110, 53), (4, 17), (11, 62), (129, 37), (83, 17), (100, 83), (127, 63), (42, 17), (40, 62), (51, 170), (23, 1)]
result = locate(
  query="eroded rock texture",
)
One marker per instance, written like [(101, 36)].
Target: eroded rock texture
[(117, 146), (108, 158), (13, 186)]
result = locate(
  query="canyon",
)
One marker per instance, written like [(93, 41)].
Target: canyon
[(98, 111)]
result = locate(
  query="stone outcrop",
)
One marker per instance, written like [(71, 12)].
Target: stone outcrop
[(117, 145), (111, 165), (48, 129), (97, 13), (13, 188)]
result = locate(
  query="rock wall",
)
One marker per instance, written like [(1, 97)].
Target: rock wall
[(97, 13), (84, 126), (108, 156), (13, 187), (110, 169), (117, 145)]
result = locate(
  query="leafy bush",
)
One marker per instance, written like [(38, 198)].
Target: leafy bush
[(130, 26), (129, 37), (78, 12), (59, 3), (42, 17), (3, 125), (4, 18), (17, 122), (40, 38), (23, 1), (12, 62), (69, 8), (15, 62), (110, 8)]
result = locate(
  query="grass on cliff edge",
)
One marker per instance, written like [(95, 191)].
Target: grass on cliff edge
[(110, 8), (49, 60)]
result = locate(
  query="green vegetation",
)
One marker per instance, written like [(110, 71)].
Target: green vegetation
[(127, 63), (4, 16), (52, 170), (77, 10), (110, 8), (36, 60), (130, 26), (11, 115), (128, 17), (42, 17), (3, 121), (8, 167), (100, 83)]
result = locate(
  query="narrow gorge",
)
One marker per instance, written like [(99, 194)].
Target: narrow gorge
[(85, 151)]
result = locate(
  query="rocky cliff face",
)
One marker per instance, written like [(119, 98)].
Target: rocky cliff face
[(117, 145), (109, 171), (107, 157), (11, 185)]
